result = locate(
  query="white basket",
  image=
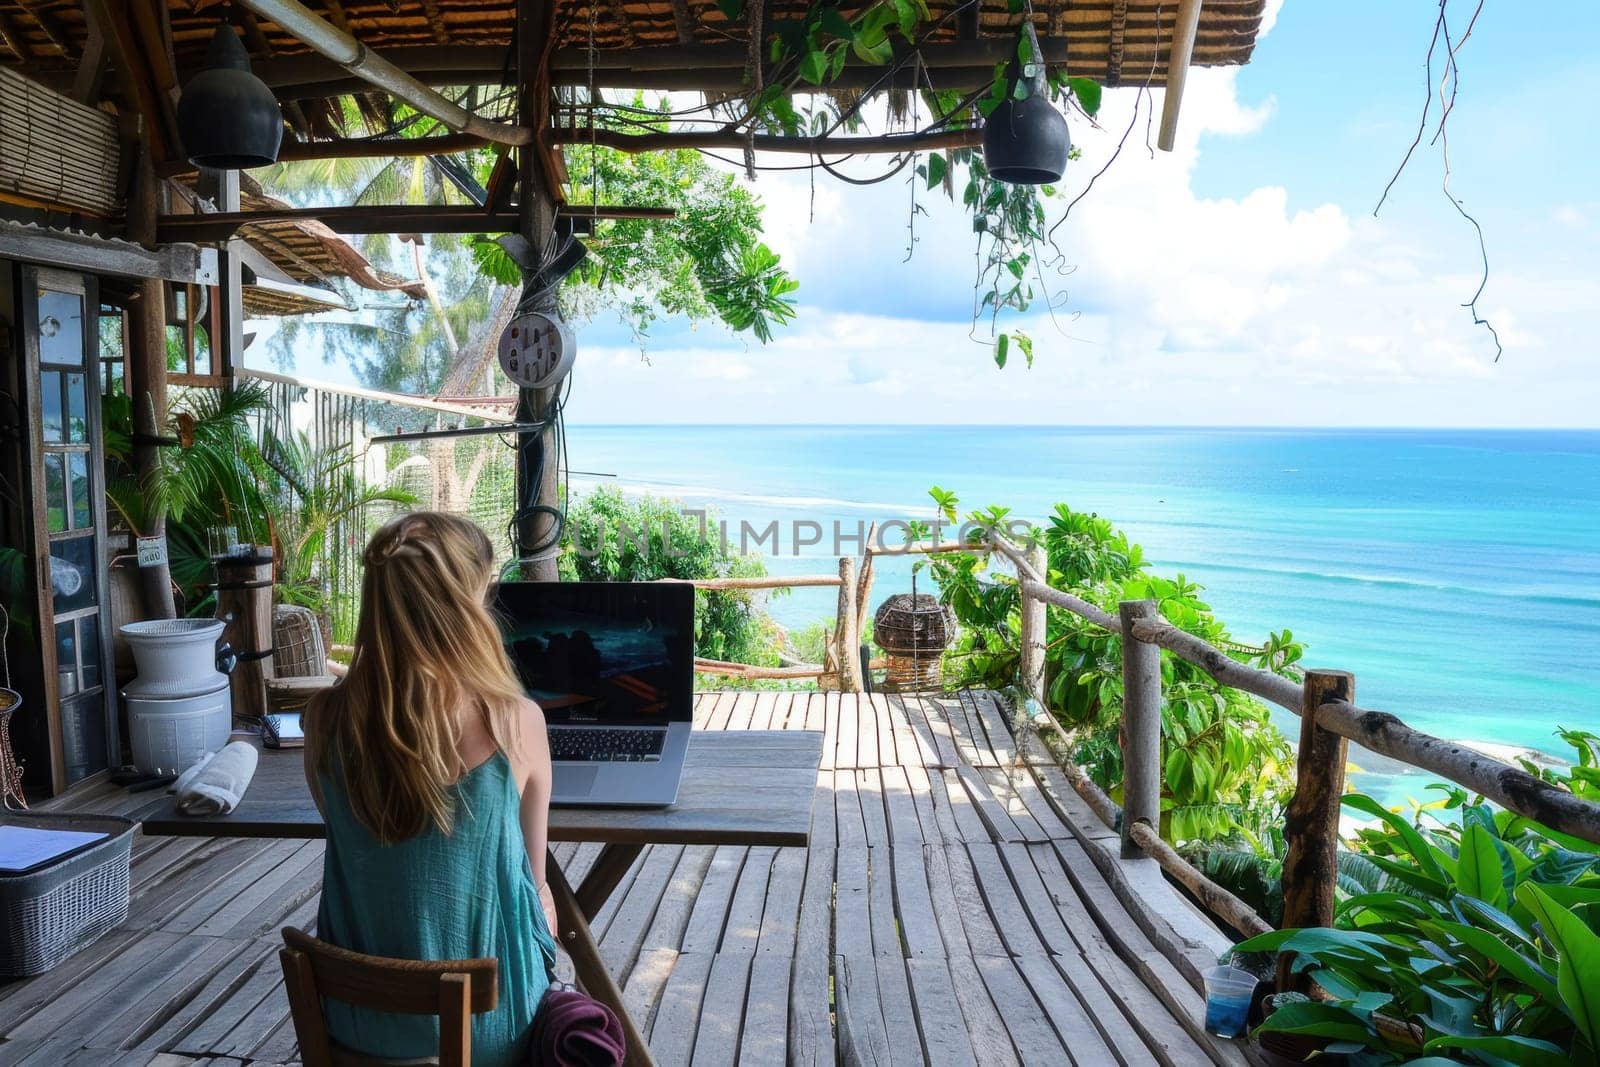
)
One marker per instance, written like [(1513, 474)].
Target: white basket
[(48, 914)]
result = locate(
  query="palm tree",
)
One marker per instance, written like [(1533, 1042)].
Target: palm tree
[(396, 348)]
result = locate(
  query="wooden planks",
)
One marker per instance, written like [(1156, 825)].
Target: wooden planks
[(944, 912)]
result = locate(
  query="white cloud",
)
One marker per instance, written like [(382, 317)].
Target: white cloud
[(1258, 307)]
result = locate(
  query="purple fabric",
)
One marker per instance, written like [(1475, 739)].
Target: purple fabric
[(573, 1029)]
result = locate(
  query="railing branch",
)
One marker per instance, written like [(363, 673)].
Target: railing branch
[(1511, 787), (1215, 899)]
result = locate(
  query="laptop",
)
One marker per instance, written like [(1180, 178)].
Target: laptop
[(612, 665)]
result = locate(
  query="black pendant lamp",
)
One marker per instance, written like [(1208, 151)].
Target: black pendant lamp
[(227, 117), (1025, 141)]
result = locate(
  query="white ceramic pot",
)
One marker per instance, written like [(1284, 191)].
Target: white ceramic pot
[(175, 657)]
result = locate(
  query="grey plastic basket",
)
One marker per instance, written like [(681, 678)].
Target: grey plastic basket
[(49, 913)]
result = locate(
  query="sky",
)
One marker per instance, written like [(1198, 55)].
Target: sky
[(1240, 280)]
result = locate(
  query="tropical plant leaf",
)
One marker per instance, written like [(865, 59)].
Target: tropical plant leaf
[(1479, 870), (1578, 976)]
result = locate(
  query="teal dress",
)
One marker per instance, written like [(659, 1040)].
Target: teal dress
[(436, 897)]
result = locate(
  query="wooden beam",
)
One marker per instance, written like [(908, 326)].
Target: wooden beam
[(380, 148), (137, 81), (92, 66), (446, 144), (48, 24), (811, 146), (1118, 42), (683, 19), (337, 44), (12, 38), (154, 30), (312, 75), (435, 17), (1183, 35), (382, 218)]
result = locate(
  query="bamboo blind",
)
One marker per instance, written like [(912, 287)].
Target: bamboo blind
[(54, 151)]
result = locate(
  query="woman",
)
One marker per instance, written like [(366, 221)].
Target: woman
[(432, 769)]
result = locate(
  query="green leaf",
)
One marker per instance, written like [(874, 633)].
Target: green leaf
[(1491, 948), (1479, 872), (876, 54), (835, 23), (1319, 1020), (937, 169), (814, 67), (1088, 92), (1578, 974), (1000, 345), (1025, 343), (1512, 1048), (1415, 845), (906, 11)]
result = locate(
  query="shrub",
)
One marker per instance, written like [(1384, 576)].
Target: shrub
[(1467, 934), (611, 538), (1224, 762)]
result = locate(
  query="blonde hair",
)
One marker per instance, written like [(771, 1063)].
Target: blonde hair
[(425, 648)]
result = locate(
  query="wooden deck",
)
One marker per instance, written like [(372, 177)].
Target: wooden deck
[(948, 911)]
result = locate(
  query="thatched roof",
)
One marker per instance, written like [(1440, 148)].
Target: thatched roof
[(310, 252), (465, 40), (309, 255)]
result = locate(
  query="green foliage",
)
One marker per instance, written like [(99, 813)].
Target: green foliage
[(705, 263), (272, 490), (1225, 763), (609, 537), (1474, 933), (317, 498)]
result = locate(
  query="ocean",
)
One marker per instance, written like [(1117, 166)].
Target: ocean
[(1455, 572)]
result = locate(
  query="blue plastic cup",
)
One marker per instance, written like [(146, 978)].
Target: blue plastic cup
[(1228, 995)]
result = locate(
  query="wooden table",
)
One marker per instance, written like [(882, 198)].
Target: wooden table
[(740, 787)]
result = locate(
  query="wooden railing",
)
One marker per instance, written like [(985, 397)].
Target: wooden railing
[(1329, 720), (854, 582)]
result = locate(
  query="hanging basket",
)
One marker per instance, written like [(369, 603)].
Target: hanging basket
[(913, 630)]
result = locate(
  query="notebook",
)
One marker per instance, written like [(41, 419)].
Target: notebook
[(22, 848)]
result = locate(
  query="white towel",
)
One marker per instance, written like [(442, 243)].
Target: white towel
[(216, 783)]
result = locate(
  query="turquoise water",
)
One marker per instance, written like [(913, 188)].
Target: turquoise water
[(1457, 573)]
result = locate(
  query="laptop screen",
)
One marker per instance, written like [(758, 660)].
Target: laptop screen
[(607, 652)]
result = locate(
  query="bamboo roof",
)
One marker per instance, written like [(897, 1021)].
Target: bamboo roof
[(310, 254), (1112, 41)]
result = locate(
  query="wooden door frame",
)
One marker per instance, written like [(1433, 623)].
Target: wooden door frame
[(29, 279)]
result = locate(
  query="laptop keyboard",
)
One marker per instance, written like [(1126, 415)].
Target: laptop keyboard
[(607, 746)]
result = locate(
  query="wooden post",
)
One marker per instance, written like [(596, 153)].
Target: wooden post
[(1033, 632), (847, 636), (538, 454), (227, 338), (147, 378), (864, 581), (1141, 726), (244, 599), (1311, 827)]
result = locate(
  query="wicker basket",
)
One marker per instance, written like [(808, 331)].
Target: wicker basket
[(50, 913), (289, 696), (913, 630), (297, 648)]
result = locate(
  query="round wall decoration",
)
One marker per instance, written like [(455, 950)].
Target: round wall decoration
[(536, 350)]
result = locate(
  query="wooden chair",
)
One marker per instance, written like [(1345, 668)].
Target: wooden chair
[(454, 990)]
